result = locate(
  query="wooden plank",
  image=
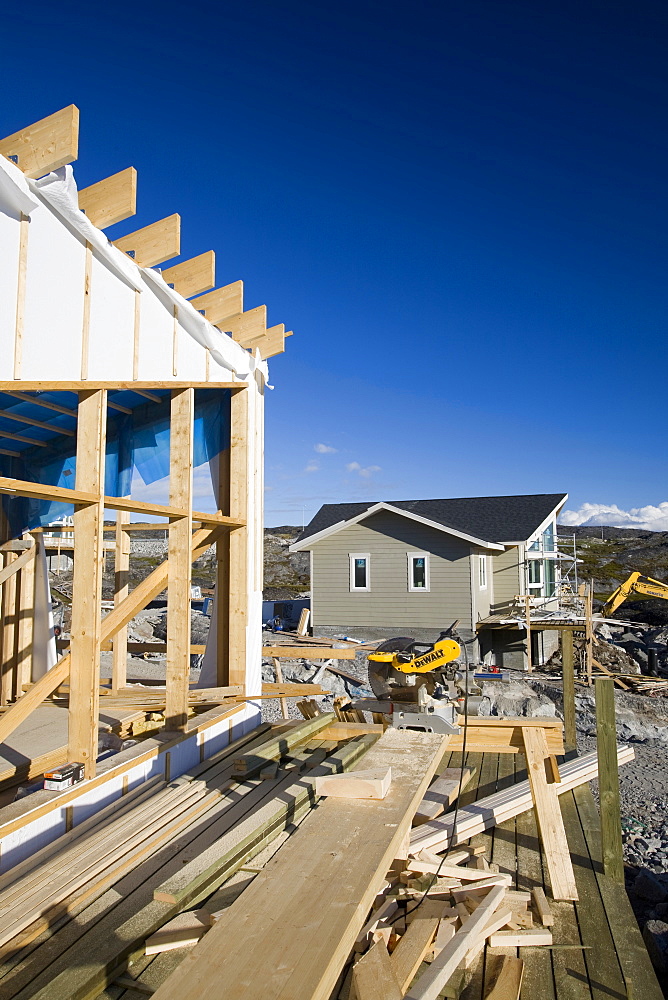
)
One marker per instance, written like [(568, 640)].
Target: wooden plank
[(182, 931), (542, 906), (506, 978), (520, 939), (359, 784), (32, 422), (144, 592), (344, 850), (238, 545), (432, 981), (17, 564), (191, 277), (502, 806), (87, 582), (110, 200), (273, 343), (278, 673), (24, 234), (608, 780), (153, 244), (442, 793), (373, 976), (302, 627), (8, 631), (180, 567), (221, 303), (26, 613), (548, 814), (414, 945), (140, 387), (251, 323), (45, 145), (348, 730), (119, 666), (308, 653)]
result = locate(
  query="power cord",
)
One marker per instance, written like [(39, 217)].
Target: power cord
[(451, 838)]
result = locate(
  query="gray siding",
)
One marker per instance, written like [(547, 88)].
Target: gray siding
[(506, 575), (388, 538)]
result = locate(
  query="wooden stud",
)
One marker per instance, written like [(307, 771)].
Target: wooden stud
[(121, 591), (153, 244), (135, 338), (175, 341), (26, 612), (22, 437), (12, 454), (548, 816), (111, 200), (85, 327), (21, 293), (222, 303), (45, 145), (87, 583), (608, 780), (542, 907), (238, 572), (180, 531), (8, 629), (570, 733), (222, 600), (194, 276), (278, 670)]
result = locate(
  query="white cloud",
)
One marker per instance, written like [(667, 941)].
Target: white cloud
[(649, 518), (325, 449), (312, 467), (366, 472)]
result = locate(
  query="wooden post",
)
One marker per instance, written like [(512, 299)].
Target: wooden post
[(121, 591), (568, 674), (26, 613), (9, 632), (608, 779), (222, 605), (238, 579), (180, 569), (87, 582), (589, 630), (527, 610)]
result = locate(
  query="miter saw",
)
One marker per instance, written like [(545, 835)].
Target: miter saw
[(419, 685)]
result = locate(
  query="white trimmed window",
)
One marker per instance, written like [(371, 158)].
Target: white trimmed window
[(418, 572), (535, 577), (359, 571), (482, 572)]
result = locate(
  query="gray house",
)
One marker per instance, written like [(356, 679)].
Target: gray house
[(411, 567)]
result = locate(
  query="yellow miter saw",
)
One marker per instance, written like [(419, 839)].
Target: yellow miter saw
[(419, 685)]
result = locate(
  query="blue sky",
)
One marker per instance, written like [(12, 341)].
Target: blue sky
[(460, 210)]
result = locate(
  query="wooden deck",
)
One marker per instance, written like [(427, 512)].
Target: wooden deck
[(602, 954)]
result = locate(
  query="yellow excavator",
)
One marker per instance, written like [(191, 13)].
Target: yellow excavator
[(636, 584)]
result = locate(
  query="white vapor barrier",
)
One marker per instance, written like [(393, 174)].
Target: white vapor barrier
[(54, 299), (14, 190)]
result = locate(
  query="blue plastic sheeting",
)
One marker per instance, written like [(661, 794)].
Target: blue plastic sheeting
[(135, 441)]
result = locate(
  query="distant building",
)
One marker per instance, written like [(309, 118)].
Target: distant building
[(411, 567)]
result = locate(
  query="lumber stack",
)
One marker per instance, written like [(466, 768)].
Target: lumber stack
[(96, 853)]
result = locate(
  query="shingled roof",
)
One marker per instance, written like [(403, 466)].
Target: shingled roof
[(494, 519)]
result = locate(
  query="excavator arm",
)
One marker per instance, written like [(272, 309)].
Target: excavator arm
[(636, 584)]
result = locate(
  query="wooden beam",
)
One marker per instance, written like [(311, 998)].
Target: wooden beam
[(153, 244), (608, 780), (21, 487), (371, 783), (249, 324), (13, 567), (273, 344), (38, 401), (26, 616), (221, 608), (259, 338), (8, 630), (111, 200), (192, 276), (22, 437), (178, 589), (548, 816), (308, 653), (22, 419), (568, 672), (45, 145), (121, 590), (221, 303), (373, 976), (87, 583), (238, 569), (12, 454), (144, 592), (139, 387), (442, 793)]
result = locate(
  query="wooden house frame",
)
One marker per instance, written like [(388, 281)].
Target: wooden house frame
[(89, 329)]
